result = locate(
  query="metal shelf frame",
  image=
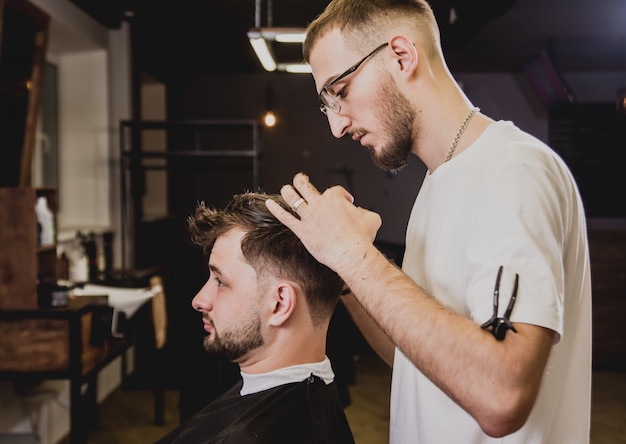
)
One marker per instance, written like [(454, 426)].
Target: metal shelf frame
[(132, 155)]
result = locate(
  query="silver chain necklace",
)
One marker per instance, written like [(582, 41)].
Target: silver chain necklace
[(455, 142)]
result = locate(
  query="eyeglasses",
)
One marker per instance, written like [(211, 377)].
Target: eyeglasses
[(330, 100)]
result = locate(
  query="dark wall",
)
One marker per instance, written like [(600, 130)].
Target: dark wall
[(301, 141)]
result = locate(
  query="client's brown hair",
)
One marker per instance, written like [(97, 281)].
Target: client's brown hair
[(269, 247)]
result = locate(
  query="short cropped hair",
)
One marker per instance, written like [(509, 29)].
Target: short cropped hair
[(269, 247), (368, 22)]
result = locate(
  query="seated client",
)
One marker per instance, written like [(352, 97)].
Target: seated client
[(266, 306)]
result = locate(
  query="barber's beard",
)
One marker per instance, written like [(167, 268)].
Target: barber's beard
[(239, 340), (397, 117)]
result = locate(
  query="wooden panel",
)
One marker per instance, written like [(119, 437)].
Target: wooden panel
[(91, 355), (34, 345), (607, 251), (18, 249)]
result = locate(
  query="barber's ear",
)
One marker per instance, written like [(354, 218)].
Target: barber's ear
[(284, 300), (405, 53)]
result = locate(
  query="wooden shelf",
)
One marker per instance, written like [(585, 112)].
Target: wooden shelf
[(24, 262), (61, 343)]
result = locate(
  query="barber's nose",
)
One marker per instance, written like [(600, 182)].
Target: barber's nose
[(338, 124), (202, 299)]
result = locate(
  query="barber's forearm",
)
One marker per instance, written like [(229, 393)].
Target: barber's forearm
[(494, 381)]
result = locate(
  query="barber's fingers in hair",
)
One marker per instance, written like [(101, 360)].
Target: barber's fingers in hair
[(301, 186), (291, 194), (306, 189), (284, 216)]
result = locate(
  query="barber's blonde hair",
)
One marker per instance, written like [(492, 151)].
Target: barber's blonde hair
[(369, 22)]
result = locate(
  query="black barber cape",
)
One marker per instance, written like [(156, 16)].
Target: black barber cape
[(302, 412)]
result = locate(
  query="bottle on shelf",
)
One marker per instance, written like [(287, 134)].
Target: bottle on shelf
[(79, 263), (91, 251), (45, 220)]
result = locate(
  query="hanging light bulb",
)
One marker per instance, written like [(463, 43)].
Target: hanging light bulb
[(269, 119)]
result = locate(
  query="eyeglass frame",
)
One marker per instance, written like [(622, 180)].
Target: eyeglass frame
[(325, 105)]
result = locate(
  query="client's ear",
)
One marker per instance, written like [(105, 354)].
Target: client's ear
[(284, 300)]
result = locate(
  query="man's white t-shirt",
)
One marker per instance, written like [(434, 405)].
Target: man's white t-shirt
[(506, 200)]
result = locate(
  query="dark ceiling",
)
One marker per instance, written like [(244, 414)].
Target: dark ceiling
[(181, 38)]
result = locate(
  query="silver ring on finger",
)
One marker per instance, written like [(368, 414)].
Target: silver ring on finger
[(297, 204)]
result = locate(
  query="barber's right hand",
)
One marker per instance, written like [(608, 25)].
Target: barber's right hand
[(331, 227)]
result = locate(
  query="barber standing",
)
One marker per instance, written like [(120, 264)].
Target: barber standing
[(488, 324)]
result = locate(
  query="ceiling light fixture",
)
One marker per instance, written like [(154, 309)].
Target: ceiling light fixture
[(295, 68), (281, 35), (259, 44), (262, 38)]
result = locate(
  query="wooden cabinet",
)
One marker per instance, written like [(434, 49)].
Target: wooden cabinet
[(55, 340), (22, 261), (70, 342), (37, 342)]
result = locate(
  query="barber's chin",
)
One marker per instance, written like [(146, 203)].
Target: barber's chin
[(387, 163), (377, 157), (208, 341)]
